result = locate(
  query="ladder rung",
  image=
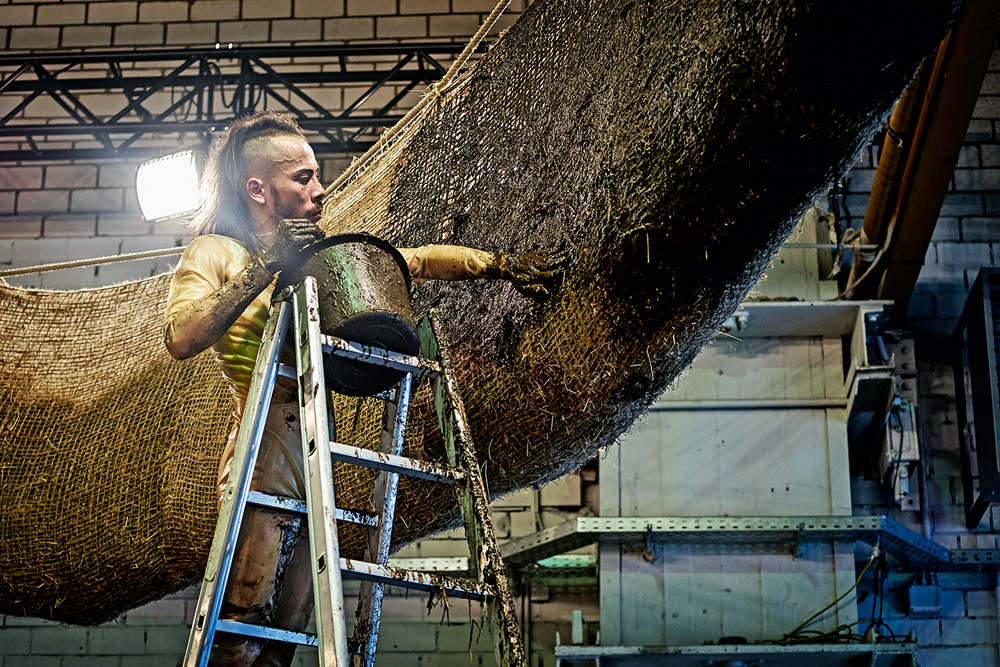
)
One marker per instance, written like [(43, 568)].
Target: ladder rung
[(264, 632), (379, 357), (285, 504), (422, 581), (286, 371), (357, 516), (392, 463)]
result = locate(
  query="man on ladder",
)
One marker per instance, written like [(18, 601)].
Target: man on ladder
[(261, 202)]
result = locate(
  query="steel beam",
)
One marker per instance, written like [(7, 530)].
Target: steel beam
[(815, 655), (333, 52), (751, 404), (192, 80)]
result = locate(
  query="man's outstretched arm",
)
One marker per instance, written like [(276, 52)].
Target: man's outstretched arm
[(530, 273)]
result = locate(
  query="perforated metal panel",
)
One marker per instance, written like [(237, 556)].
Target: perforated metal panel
[(761, 532)]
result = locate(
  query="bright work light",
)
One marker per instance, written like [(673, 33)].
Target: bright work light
[(168, 186)]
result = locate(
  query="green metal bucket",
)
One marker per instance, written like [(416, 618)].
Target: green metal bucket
[(364, 297)]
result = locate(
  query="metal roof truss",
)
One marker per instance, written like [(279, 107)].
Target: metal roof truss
[(184, 99)]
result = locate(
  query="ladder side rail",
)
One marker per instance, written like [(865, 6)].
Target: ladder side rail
[(206, 617), (369, 610), (484, 553), (331, 628)]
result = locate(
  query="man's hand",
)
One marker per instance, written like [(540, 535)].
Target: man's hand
[(533, 273), (291, 238)]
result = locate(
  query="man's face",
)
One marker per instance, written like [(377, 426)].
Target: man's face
[(291, 181)]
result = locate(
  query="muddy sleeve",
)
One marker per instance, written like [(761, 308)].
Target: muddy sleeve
[(448, 262), (212, 286), (201, 271)]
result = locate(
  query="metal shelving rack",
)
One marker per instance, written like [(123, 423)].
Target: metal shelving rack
[(910, 547), (822, 655)]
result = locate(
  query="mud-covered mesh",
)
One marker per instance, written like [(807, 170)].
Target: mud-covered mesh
[(667, 147)]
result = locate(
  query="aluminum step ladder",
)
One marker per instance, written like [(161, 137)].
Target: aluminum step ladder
[(320, 451)]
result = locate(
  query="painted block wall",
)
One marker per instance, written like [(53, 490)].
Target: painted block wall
[(676, 463), (743, 462)]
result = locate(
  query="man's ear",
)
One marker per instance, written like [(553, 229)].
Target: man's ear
[(255, 188)]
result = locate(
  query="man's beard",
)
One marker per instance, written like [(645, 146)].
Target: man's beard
[(286, 211)]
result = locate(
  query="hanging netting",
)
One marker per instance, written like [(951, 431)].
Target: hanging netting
[(666, 147)]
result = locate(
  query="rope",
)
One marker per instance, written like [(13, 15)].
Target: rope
[(437, 93), (41, 268), (852, 239)]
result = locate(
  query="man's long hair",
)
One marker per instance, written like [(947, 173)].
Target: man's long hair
[(224, 208)]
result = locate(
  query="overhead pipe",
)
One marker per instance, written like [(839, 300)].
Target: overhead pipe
[(962, 63), (884, 198), (946, 105)]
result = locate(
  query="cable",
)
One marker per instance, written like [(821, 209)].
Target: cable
[(876, 595), (894, 467), (879, 577), (894, 412), (231, 104), (96, 261), (797, 635)]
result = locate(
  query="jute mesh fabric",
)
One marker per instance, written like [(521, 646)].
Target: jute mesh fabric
[(666, 147), (108, 452)]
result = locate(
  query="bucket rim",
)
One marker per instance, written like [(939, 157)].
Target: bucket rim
[(363, 237)]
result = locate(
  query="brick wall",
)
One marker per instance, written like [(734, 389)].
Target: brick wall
[(58, 211), (156, 634), (39, 24), (964, 633)]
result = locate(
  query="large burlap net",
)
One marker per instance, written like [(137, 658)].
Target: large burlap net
[(667, 147)]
